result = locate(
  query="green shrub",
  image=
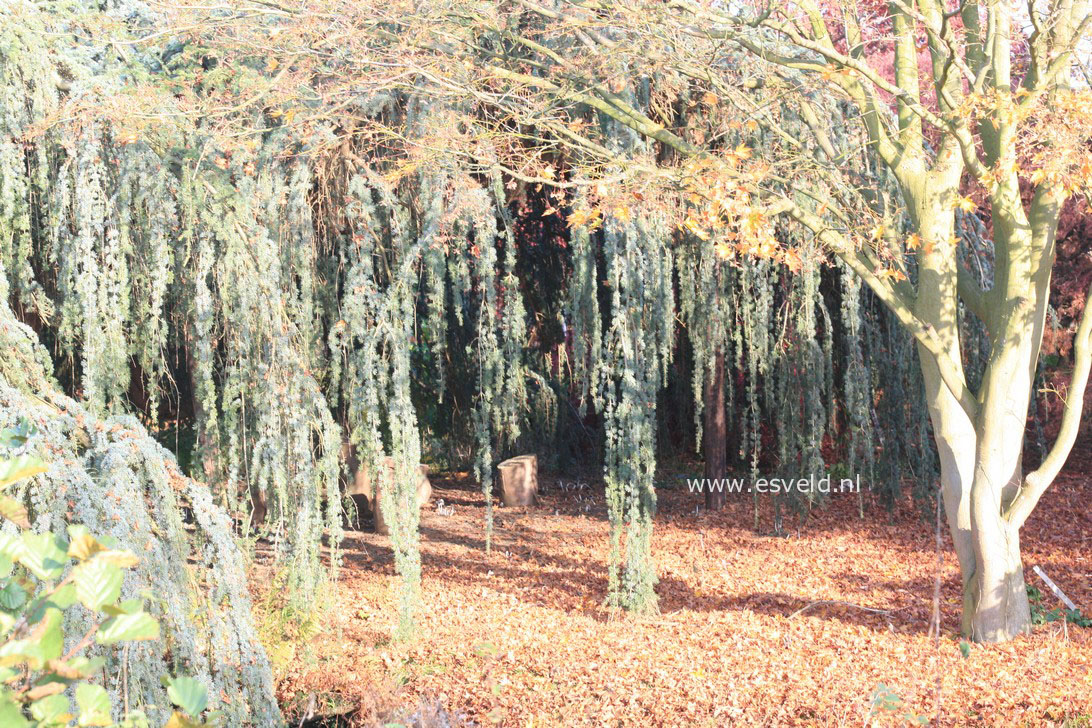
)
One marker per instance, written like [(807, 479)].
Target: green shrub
[(1042, 615), (42, 577)]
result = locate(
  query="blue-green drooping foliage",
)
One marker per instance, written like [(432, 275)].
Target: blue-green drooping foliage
[(289, 293)]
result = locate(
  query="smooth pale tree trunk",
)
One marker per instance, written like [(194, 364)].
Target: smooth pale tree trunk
[(953, 430), (981, 460), (1000, 604), (1001, 609), (715, 433), (999, 597)]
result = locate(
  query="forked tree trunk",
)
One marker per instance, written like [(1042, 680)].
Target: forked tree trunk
[(1001, 609), (953, 430), (715, 433), (998, 597), (978, 459), (981, 463)]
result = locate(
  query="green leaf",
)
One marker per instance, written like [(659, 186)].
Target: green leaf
[(87, 665), (129, 606), (108, 541), (45, 643), (12, 596), (98, 583), (52, 710), (128, 627), (123, 559), (135, 719), (77, 668), (10, 545), (964, 649), (15, 469), (48, 637), (81, 544), (44, 555), (180, 720), (14, 511), (13, 437), (189, 695), (94, 705), (11, 713), (64, 597)]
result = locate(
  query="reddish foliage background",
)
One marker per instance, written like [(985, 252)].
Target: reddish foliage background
[(1072, 274)]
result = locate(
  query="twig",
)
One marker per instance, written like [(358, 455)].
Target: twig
[(936, 609), (310, 712), (125, 678), (834, 602), (82, 643)]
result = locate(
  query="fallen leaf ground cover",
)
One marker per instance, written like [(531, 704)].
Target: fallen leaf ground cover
[(519, 636)]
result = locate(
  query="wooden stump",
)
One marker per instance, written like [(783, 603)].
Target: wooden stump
[(362, 488), (518, 480)]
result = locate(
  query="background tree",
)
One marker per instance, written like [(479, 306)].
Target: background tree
[(995, 106), (342, 177)]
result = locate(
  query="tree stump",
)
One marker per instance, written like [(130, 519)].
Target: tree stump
[(518, 480), (362, 489)]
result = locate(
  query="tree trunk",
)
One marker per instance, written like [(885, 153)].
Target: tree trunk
[(715, 433), (953, 430), (998, 601), (207, 452), (995, 605), (998, 595), (1000, 609)]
